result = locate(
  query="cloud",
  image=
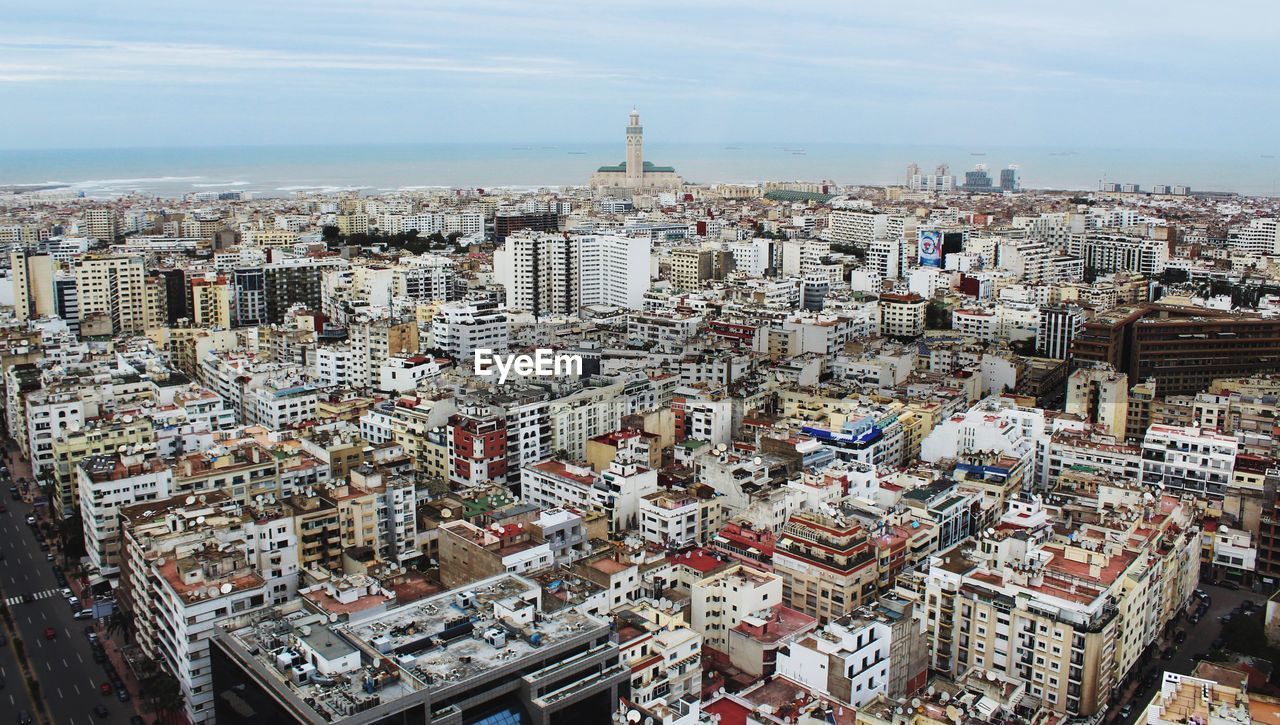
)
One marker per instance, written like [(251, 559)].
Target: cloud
[(79, 59)]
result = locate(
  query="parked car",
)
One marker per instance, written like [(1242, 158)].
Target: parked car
[(31, 520), (105, 688), (100, 710), (1167, 654), (24, 718), (1229, 585), (122, 694), (84, 614), (1180, 637), (50, 633), (4, 509), (1126, 711)]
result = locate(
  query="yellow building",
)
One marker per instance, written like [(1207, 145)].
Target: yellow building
[(101, 436), (211, 302)]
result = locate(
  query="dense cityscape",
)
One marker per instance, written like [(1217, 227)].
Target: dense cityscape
[(643, 450)]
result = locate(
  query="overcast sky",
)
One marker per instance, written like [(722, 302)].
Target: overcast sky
[(127, 73)]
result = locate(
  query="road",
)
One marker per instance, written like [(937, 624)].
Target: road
[(1199, 640), (64, 666)]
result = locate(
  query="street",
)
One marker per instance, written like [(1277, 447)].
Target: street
[(64, 667), (1199, 640)]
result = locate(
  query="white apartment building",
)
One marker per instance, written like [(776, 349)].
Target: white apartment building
[(554, 274), (720, 602), (1259, 236), (857, 227), (188, 573), (461, 328), (846, 649), (669, 518), (108, 483), (1191, 460)]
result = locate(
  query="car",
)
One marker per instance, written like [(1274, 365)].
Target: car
[(1126, 711), (44, 546), (1230, 585), (66, 593), (105, 688), (100, 710), (1225, 618), (122, 694), (50, 633), (3, 639), (90, 633), (74, 603), (1180, 637), (4, 509), (1247, 605), (24, 718), (84, 614), (1167, 654), (1201, 594), (48, 557), (1195, 618), (31, 520)]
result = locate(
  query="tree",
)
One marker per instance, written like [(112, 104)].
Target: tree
[(162, 692), (330, 235), (121, 622)]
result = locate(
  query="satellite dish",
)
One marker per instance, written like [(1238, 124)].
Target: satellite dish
[(932, 690), (160, 561), (953, 713), (199, 519), (190, 500), (915, 702), (757, 460), (213, 591), (944, 696), (226, 588), (633, 716), (445, 513)]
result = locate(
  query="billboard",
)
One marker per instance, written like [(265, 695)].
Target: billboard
[(930, 248)]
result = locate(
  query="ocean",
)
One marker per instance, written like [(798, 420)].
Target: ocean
[(377, 168)]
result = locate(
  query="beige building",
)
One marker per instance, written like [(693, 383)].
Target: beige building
[(113, 286), (211, 301), (902, 315), (689, 268), (32, 285), (1100, 395), (100, 224)]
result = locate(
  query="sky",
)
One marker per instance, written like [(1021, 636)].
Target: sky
[(1170, 75)]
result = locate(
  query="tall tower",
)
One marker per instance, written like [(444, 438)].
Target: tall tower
[(635, 151)]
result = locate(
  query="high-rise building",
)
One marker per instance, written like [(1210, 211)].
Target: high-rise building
[(289, 284), (101, 224), (1100, 395), (211, 301), (507, 222), (33, 289), (551, 274), (113, 286), (1009, 179), (1059, 325)]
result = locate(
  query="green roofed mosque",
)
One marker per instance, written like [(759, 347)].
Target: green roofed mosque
[(636, 174)]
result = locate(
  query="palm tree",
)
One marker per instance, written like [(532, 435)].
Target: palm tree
[(121, 621), (162, 693)]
